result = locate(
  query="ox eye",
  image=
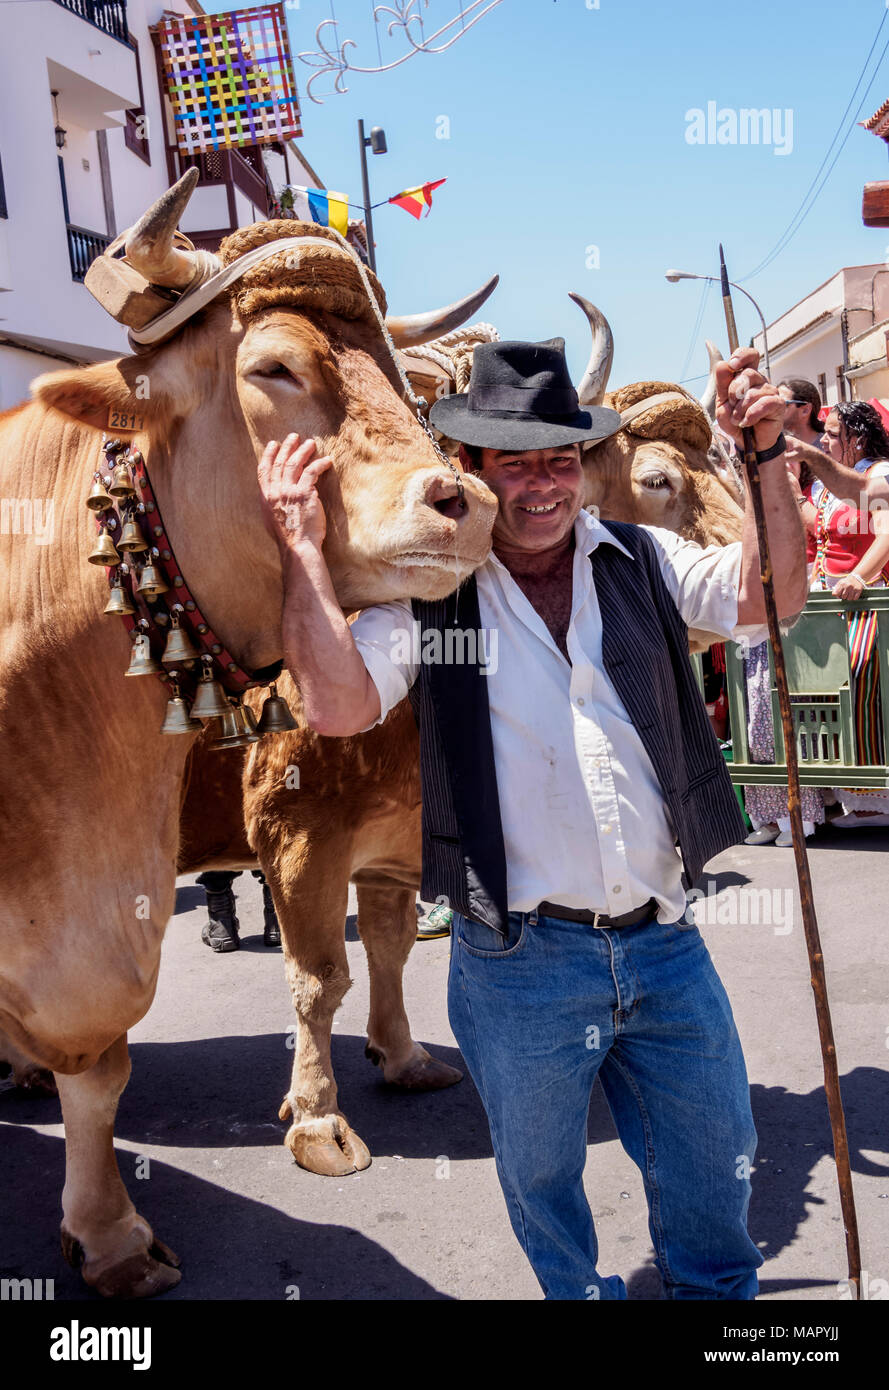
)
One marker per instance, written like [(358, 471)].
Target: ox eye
[(275, 369), (656, 482)]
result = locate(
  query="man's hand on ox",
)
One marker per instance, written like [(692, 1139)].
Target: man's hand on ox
[(744, 398), (288, 480)]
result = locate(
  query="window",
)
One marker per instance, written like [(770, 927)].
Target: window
[(822, 387), (135, 131)]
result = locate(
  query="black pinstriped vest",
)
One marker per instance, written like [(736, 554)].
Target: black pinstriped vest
[(645, 654)]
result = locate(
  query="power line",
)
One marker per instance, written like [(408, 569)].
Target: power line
[(800, 215), (696, 331)]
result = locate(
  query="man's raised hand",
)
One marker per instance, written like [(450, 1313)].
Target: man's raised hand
[(744, 398), (288, 481)]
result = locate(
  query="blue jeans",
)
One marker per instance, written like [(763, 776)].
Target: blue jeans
[(541, 1013)]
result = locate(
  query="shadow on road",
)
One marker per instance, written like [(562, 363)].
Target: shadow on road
[(224, 1092), (230, 1246), (794, 1135)]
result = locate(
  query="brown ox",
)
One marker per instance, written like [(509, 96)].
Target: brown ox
[(357, 811), (90, 797)]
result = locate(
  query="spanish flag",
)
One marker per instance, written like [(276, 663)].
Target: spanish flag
[(321, 205), (414, 200)]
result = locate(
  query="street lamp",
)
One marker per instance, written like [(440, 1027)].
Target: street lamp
[(675, 275), (377, 142)]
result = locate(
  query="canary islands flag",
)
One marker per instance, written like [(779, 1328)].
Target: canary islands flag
[(321, 205), (414, 200)]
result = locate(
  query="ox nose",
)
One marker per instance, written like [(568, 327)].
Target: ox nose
[(443, 492)]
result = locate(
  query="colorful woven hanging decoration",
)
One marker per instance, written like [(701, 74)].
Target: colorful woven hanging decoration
[(229, 78)]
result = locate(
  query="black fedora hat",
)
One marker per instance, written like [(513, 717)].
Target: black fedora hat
[(521, 397)]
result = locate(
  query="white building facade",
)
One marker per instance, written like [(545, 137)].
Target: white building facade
[(78, 168), (822, 337)]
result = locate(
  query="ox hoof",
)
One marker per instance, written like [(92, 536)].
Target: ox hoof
[(141, 1275), (422, 1072), (38, 1080), (328, 1147)]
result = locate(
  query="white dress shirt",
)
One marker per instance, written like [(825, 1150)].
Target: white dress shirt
[(584, 820)]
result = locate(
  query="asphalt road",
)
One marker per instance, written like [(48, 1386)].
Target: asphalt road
[(426, 1220)]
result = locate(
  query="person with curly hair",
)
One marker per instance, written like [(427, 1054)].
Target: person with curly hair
[(847, 515)]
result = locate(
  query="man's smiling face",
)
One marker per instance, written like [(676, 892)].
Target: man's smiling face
[(540, 492)]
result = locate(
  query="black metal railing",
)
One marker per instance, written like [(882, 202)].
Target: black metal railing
[(108, 15), (83, 248), (243, 168)]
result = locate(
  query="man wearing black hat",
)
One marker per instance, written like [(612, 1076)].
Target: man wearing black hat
[(572, 791)]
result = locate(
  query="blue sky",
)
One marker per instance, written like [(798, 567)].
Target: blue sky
[(568, 130)]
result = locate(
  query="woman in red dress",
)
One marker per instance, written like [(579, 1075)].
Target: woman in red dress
[(850, 549)]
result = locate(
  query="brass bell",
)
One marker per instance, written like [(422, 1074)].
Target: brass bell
[(235, 731), (151, 581), (178, 646), (275, 716), (105, 551), (210, 701), (121, 482), (142, 663), (118, 601), (98, 500), (131, 537), (177, 719)]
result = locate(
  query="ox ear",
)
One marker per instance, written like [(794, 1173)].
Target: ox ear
[(119, 394)]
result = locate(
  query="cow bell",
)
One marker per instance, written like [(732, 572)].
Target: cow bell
[(275, 716), (178, 647), (151, 581), (118, 601), (177, 719), (98, 500), (236, 731), (131, 537), (210, 701), (121, 482), (142, 663), (105, 551)]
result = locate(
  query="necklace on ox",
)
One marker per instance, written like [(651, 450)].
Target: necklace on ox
[(149, 592)]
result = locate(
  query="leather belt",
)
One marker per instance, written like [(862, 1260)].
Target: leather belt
[(598, 919)]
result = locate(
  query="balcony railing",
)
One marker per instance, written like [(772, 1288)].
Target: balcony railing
[(108, 15), (240, 168), (83, 248)]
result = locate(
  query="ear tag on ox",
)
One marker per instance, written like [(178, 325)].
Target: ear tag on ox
[(128, 421)]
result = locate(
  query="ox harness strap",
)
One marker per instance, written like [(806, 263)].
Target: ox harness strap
[(202, 292)]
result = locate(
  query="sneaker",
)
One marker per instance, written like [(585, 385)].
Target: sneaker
[(434, 923), (764, 836)]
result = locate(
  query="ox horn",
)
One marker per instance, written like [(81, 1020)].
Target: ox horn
[(595, 379), (150, 247), (708, 395), (410, 330)]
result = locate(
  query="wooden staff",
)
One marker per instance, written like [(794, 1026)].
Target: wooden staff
[(807, 902)]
